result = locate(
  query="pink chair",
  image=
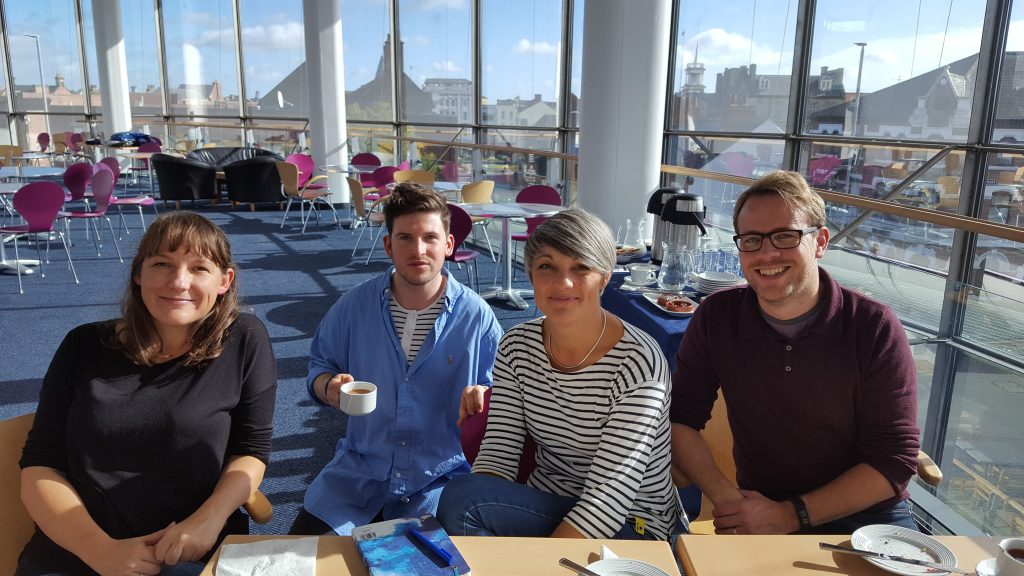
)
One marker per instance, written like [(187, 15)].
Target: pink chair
[(378, 181), (472, 435), (141, 165), (38, 204), (460, 227), (113, 165), (102, 185), (307, 169), (407, 165), (43, 140), (365, 159), (536, 194), (76, 180)]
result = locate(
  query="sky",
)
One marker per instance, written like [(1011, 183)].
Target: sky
[(521, 40)]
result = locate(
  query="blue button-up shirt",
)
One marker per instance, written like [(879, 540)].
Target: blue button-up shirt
[(398, 457)]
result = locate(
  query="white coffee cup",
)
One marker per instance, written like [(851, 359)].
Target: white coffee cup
[(1010, 561), (642, 273), (358, 398)]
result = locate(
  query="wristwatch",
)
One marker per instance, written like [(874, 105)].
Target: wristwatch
[(801, 513)]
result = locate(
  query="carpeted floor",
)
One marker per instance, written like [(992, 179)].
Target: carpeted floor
[(289, 280)]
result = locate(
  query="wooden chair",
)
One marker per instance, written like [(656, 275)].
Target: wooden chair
[(417, 176), (480, 193), (16, 527), (718, 436)]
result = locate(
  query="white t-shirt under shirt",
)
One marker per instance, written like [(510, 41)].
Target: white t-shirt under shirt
[(602, 431)]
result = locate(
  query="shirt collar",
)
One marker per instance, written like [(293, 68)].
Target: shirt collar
[(452, 291)]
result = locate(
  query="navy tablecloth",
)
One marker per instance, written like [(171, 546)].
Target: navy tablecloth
[(632, 307)]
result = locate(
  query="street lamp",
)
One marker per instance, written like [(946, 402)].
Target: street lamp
[(42, 82), (856, 106)]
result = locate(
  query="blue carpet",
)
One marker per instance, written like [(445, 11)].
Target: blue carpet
[(288, 279)]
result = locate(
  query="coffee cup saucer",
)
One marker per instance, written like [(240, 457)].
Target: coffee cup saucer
[(630, 281), (986, 567)]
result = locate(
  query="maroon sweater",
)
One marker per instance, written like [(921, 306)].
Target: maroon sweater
[(804, 411)]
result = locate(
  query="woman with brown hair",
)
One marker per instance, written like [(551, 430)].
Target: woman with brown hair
[(154, 428)]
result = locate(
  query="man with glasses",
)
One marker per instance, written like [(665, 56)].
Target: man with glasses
[(819, 381)]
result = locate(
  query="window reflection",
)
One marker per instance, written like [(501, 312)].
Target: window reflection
[(139, 28), (437, 61), (201, 63), (273, 54), (368, 72)]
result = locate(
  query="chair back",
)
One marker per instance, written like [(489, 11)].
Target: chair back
[(38, 203), (102, 185), (114, 165), (306, 165), (16, 526), (539, 194), (355, 190), (253, 180), (76, 141), (289, 174), (405, 165), (155, 146), (381, 177), (472, 435), (418, 176), (43, 139), (365, 159), (478, 192), (461, 225), (76, 179)]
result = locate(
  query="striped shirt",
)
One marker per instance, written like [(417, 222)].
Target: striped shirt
[(413, 326), (602, 431)]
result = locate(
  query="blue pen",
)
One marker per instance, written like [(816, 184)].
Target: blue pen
[(440, 552)]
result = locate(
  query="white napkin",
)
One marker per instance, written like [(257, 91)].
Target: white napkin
[(607, 553), (287, 557)]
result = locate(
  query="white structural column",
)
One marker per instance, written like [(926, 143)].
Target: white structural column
[(622, 105), (113, 67), (325, 73)]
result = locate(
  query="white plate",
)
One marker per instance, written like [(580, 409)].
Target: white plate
[(986, 567), (629, 281), (899, 541), (719, 277), (625, 567), (653, 299)]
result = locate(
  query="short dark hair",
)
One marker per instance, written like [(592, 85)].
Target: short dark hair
[(411, 197)]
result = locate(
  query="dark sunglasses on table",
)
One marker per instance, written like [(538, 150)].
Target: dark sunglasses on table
[(781, 239)]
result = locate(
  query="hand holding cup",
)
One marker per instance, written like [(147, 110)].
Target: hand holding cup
[(357, 398)]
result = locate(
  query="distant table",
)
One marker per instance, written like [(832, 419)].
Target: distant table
[(29, 172), (799, 554), (29, 155), (487, 556), (349, 169), (149, 165), (632, 307), (505, 211)]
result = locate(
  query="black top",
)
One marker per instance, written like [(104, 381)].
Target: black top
[(146, 446)]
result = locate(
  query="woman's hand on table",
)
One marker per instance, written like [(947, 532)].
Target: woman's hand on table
[(188, 540), (128, 557), (755, 514), (472, 402)]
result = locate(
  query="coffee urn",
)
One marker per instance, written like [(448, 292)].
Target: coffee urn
[(655, 204), (682, 221)]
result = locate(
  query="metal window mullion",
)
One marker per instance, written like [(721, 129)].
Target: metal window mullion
[(673, 48), (802, 45), (396, 67), (80, 28), (477, 51), (161, 56), (236, 9), (7, 60)]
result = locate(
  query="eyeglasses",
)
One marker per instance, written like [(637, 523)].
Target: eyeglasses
[(781, 239)]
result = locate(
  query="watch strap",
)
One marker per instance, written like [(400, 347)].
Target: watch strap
[(801, 513)]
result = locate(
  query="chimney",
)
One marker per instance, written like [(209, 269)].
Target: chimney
[(59, 80)]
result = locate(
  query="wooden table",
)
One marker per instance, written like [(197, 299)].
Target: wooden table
[(338, 556), (799, 554)]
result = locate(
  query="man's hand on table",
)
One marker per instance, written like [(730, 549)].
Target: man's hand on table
[(755, 514)]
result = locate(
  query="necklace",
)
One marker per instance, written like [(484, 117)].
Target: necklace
[(547, 346)]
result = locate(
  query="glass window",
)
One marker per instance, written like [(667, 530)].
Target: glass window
[(199, 36), (438, 65), (733, 66), (1003, 199), (44, 35), (91, 63), (139, 28), (519, 46), (368, 77), (1009, 125), (273, 55), (576, 68), (909, 66)]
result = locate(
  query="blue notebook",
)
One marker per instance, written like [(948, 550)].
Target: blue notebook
[(390, 549)]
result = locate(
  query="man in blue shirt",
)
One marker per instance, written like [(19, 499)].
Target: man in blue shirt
[(428, 344)]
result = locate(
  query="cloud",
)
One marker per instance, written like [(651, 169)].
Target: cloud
[(438, 4), (716, 49), (524, 46), (446, 66), (273, 38)]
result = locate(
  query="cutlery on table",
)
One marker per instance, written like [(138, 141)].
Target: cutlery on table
[(880, 556), (577, 568)]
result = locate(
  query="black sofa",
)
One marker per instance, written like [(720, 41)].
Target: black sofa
[(221, 157), (185, 179), (253, 180)]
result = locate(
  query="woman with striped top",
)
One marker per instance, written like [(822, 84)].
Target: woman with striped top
[(591, 390)]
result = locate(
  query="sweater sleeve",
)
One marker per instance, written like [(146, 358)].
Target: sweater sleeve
[(888, 438), (694, 382), (252, 419), (47, 441), (506, 425), (621, 461)]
